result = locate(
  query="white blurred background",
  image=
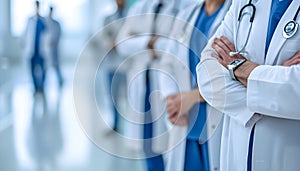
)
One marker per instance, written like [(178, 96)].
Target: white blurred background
[(42, 132)]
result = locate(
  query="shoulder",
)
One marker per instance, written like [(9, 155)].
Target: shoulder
[(187, 9)]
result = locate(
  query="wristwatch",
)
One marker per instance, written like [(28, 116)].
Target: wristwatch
[(234, 65)]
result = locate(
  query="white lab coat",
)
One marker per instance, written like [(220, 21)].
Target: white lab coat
[(52, 39), (134, 49), (272, 91), (177, 79)]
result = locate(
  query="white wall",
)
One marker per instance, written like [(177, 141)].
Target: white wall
[(79, 18)]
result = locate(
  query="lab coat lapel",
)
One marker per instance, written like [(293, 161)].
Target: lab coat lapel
[(192, 22), (278, 40)]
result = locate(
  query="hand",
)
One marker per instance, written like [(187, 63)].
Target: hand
[(152, 42), (294, 60), (223, 47), (178, 105), (150, 45), (180, 121)]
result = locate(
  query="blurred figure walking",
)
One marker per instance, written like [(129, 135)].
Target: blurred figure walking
[(34, 39), (54, 33)]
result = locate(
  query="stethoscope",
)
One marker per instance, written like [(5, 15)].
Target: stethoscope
[(289, 29)]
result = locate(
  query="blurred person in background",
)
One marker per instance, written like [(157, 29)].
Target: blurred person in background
[(34, 48), (109, 79), (54, 33), (142, 40), (113, 60), (185, 106)]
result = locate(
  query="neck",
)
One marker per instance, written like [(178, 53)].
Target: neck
[(212, 5)]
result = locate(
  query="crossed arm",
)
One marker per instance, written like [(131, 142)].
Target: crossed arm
[(179, 104), (223, 47)]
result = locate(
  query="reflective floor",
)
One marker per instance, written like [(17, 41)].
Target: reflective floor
[(41, 132)]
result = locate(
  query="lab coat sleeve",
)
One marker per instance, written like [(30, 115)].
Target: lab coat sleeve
[(215, 84), (274, 91)]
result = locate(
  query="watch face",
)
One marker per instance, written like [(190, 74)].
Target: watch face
[(234, 62)]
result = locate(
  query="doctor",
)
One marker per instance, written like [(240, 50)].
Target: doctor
[(113, 60), (184, 103), (139, 44), (34, 48), (54, 33), (259, 92)]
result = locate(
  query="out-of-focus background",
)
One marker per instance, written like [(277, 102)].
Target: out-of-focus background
[(40, 131)]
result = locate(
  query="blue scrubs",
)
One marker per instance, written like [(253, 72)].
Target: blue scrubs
[(277, 10), (196, 157)]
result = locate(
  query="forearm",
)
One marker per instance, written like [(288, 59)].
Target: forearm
[(242, 72), (196, 96)]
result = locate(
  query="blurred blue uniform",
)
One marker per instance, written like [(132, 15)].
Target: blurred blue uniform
[(38, 70)]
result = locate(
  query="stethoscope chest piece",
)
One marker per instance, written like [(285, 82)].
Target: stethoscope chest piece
[(290, 29)]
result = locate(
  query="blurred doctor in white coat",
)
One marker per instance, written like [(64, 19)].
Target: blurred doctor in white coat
[(140, 42), (176, 86), (33, 41), (54, 35), (260, 95)]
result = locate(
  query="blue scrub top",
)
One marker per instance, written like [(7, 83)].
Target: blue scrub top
[(198, 41), (277, 10)]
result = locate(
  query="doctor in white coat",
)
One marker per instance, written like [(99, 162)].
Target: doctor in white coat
[(141, 49), (54, 35), (262, 112), (176, 86), (34, 48)]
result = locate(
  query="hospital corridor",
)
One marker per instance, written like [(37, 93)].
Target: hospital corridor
[(41, 132), (44, 134)]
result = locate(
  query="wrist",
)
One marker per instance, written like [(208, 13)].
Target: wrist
[(195, 94), (235, 64), (243, 72)]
